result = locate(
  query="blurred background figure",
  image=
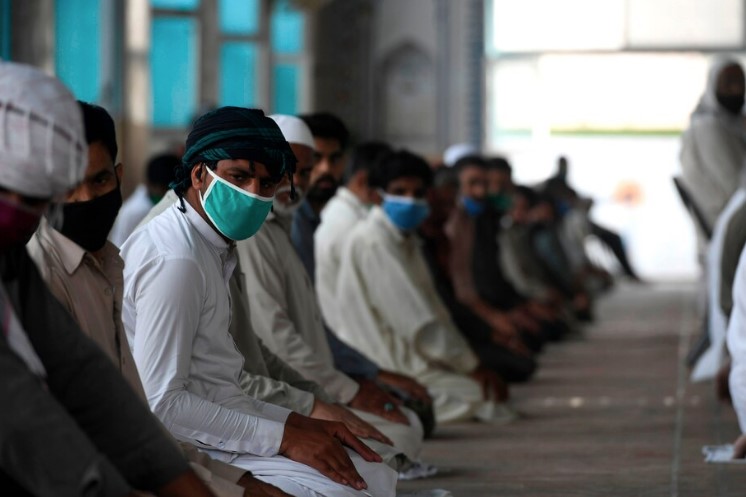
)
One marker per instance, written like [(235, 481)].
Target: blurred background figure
[(714, 145), (567, 201), (158, 178)]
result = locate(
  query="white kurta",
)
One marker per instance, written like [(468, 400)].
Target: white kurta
[(177, 314), (283, 308), (343, 212), (267, 377), (736, 341), (389, 309), (284, 312), (133, 210), (713, 149), (710, 362)]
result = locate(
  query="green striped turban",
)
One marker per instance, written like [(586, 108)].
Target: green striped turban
[(236, 133)]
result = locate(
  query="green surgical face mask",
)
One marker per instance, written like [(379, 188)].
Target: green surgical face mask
[(500, 201), (236, 213)]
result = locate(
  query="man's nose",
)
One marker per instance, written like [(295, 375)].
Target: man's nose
[(324, 166)]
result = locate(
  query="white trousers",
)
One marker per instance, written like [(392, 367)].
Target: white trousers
[(300, 480), (456, 397), (407, 438)]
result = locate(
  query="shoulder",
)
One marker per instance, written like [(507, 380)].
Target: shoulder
[(261, 246), (167, 240)]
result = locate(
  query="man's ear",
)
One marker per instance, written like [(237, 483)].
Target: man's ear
[(198, 175), (119, 171)]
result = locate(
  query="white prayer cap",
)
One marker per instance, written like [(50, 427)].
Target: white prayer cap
[(458, 151), (294, 129), (43, 150)]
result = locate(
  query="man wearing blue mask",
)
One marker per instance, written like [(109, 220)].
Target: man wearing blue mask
[(177, 314), (388, 305)]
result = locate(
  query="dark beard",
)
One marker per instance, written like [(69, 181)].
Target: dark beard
[(317, 194)]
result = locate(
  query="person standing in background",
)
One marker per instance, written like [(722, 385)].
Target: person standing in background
[(714, 145)]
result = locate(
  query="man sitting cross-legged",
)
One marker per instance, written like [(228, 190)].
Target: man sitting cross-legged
[(177, 314), (388, 306)]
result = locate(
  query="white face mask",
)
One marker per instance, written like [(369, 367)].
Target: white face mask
[(282, 209)]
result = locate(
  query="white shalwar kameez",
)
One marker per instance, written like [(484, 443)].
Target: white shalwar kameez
[(388, 308), (736, 341), (713, 149), (340, 216), (285, 314), (177, 314), (717, 323)]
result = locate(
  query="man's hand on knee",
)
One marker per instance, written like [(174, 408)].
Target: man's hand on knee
[(319, 444)]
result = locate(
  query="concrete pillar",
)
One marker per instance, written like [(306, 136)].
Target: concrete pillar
[(135, 125), (32, 39)]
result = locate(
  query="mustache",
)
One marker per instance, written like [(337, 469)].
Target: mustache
[(325, 177)]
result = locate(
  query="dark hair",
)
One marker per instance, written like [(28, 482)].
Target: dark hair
[(161, 169), (99, 127), (445, 176), (326, 125), (401, 164), (499, 164), (366, 157), (183, 176), (531, 195), (470, 161)]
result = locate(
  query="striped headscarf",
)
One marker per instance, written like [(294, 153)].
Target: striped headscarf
[(236, 133)]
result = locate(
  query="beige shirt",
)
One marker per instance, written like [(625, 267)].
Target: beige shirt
[(339, 217), (91, 290), (388, 306), (283, 308)]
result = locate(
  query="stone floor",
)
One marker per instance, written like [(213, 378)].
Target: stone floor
[(610, 414)]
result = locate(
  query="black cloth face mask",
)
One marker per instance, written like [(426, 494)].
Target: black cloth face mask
[(731, 103), (89, 223)]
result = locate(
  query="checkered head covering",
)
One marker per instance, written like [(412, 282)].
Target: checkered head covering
[(43, 151)]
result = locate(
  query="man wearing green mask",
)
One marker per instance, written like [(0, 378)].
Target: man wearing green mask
[(177, 314), (88, 283)]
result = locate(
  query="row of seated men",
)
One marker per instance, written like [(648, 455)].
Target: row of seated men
[(295, 338)]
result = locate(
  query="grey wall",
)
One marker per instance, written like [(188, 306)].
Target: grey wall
[(407, 71)]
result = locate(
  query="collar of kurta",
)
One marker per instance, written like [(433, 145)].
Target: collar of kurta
[(204, 229), (70, 253), (352, 200), (379, 217)]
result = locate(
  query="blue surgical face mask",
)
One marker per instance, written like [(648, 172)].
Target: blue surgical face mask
[(406, 213), (473, 207), (235, 213)]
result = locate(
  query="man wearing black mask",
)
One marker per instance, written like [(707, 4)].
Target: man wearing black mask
[(90, 209), (69, 425), (84, 272)]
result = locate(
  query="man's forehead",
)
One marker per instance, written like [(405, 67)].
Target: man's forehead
[(243, 165), (99, 160), (327, 144)]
